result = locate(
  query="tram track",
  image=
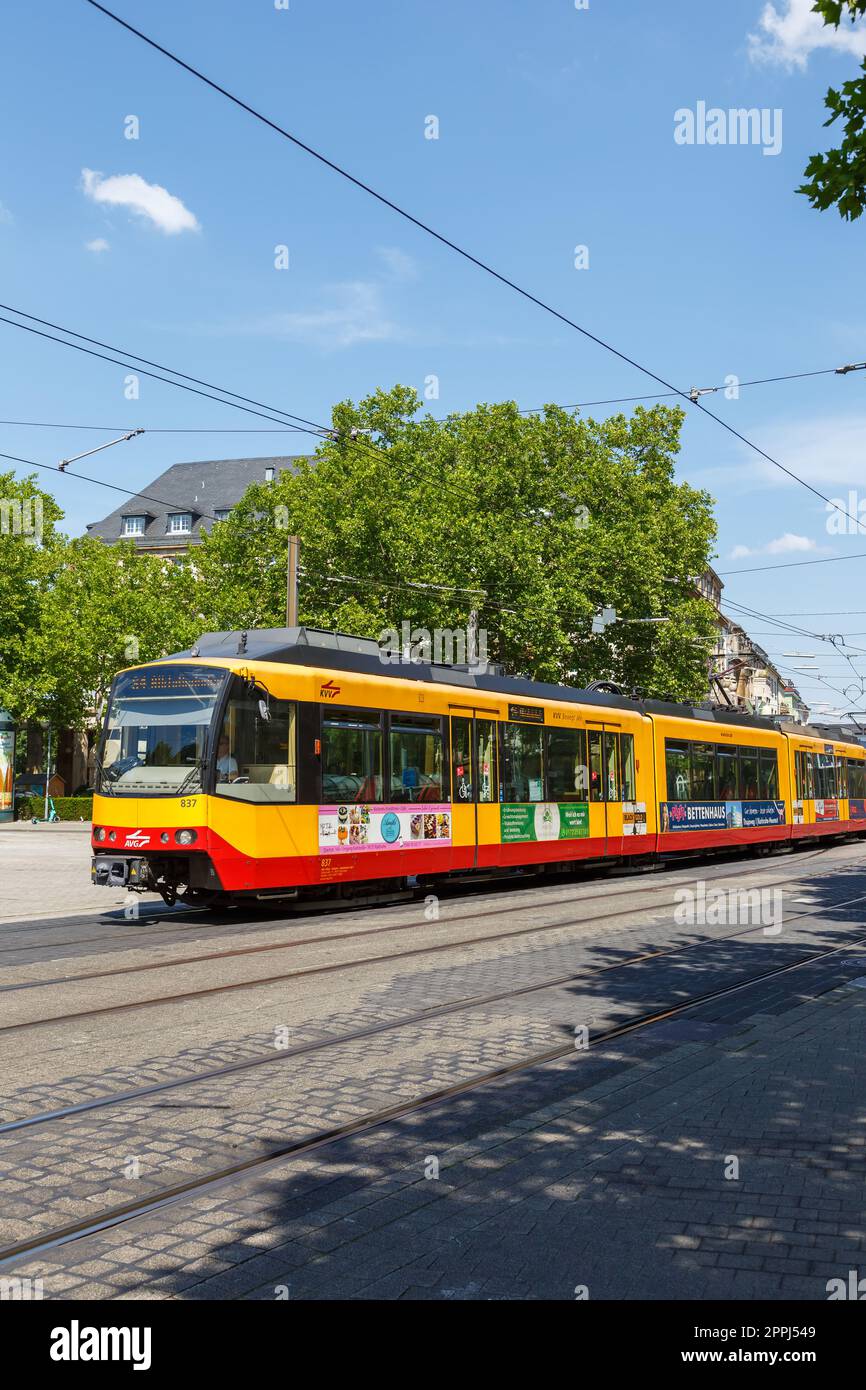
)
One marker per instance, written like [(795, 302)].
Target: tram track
[(333, 967), (389, 1025), (293, 1150), (165, 928)]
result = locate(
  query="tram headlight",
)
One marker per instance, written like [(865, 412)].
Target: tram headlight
[(112, 835), (165, 837), (99, 833), (185, 837)]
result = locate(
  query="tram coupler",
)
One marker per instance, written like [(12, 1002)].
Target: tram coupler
[(107, 872)]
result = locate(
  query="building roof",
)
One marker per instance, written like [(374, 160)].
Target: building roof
[(202, 488)]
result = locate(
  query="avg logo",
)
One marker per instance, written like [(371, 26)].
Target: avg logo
[(329, 691)]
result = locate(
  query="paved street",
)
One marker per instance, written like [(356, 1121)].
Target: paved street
[(371, 1103)]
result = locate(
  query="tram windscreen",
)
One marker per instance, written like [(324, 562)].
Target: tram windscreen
[(156, 730)]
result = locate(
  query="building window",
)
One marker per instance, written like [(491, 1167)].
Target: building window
[(269, 475), (133, 526), (179, 523), (222, 513)]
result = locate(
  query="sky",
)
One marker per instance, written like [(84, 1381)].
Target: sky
[(558, 126)]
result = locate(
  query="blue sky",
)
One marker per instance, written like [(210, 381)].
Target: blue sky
[(556, 129)]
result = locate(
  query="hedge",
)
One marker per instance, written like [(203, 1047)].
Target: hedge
[(67, 807)]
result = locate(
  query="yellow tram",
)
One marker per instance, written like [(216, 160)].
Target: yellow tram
[(276, 761)]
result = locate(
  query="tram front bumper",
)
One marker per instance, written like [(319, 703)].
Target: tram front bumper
[(109, 872)]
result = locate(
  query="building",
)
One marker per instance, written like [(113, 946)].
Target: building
[(741, 672), (168, 517)]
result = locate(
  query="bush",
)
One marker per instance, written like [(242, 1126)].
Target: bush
[(67, 807)]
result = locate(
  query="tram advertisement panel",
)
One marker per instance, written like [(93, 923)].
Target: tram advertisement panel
[(360, 827), (545, 820), (857, 808), (828, 809), (719, 815)]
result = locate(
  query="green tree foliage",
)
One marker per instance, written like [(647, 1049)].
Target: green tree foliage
[(30, 546), (536, 522), (72, 612), (839, 176)]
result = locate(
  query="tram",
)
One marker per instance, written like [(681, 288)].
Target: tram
[(285, 762)]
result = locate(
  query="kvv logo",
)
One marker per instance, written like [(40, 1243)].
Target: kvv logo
[(444, 645), (19, 518), (736, 126), (755, 907)]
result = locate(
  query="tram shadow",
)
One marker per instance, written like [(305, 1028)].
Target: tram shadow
[(708, 1152)]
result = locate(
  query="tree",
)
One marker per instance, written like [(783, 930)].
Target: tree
[(839, 176), (30, 546), (534, 521), (72, 612)]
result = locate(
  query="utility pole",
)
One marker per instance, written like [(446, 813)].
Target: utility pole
[(292, 581)]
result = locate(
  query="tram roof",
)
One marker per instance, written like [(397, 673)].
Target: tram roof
[(340, 651)]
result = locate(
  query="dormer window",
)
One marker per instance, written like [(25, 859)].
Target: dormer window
[(269, 475), (179, 523), (222, 513), (133, 526)]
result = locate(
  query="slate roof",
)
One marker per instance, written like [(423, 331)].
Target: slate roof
[(201, 488)]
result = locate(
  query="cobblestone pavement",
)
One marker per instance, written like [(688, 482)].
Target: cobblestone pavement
[(611, 1169), (722, 1161)]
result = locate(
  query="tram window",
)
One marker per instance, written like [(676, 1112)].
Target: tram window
[(416, 758), (678, 775), (461, 759), (567, 778), (522, 763), (768, 768), (856, 778), (629, 781), (352, 757), (256, 758), (841, 777), (808, 777), (749, 773), (596, 768), (611, 767), (825, 777), (729, 774), (703, 772), (485, 740)]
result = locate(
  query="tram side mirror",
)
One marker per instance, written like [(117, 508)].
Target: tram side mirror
[(264, 711)]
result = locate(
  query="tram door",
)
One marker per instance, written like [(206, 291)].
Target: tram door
[(605, 784), (474, 786)]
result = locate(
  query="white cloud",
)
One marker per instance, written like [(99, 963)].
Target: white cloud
[(790, 33), (399, 264), (357, 315), (148, 200), (5, 215), (782, 545), (97, 244)]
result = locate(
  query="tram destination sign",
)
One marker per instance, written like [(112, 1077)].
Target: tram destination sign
[(526, 714), (171, 680)]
